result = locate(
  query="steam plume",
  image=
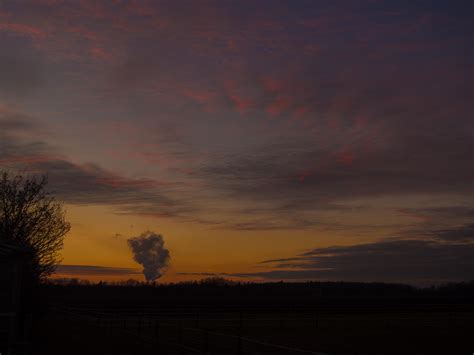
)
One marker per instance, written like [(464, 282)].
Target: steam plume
[(149, 250)]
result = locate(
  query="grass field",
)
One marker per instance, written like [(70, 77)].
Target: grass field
[(196, 329)]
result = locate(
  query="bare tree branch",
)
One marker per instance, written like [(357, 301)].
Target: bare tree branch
[(31, 217)]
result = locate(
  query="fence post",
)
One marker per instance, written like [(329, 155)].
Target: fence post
[(239, 345), (12, 334), (157, 331), (180, 335), (239, 333), (197, 319), (206, 342), (27, 336), (241, 322), (282, 321)]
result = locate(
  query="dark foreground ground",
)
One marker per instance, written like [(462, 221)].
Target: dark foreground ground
[(279, 319)]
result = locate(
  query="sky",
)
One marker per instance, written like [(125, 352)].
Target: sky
[(264, 140)]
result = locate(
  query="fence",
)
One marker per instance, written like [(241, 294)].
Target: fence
[(187, 331), (15, 334), (217, 331)]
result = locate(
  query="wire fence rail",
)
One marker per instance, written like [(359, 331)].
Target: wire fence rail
[(15, 332), (237, 330), (158, 331), (282, 318)]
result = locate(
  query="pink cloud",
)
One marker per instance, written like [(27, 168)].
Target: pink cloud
[(236, 95), (22, 29), (301, 111), (279, 105), (119, 182), (345, 158), (83, 32), (411, 214), (204, 97), (272, 85), (28, 159), (100, 53), (304, 175)]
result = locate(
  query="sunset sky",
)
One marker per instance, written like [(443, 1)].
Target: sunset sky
[(265, 140)]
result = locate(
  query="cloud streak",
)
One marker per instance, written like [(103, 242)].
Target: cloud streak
[(91, 270), (82, 184), (412, 261), (288, 179)]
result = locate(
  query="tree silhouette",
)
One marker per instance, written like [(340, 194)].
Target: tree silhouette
[(31, 217)]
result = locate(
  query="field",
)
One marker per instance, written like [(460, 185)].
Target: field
[(329, 326)]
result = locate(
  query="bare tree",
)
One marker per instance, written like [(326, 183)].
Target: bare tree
[(31, 217)]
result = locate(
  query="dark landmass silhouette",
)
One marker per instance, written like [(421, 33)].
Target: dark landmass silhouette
[(216, 316)]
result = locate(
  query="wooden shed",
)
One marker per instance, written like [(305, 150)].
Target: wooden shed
[(15, 296)]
